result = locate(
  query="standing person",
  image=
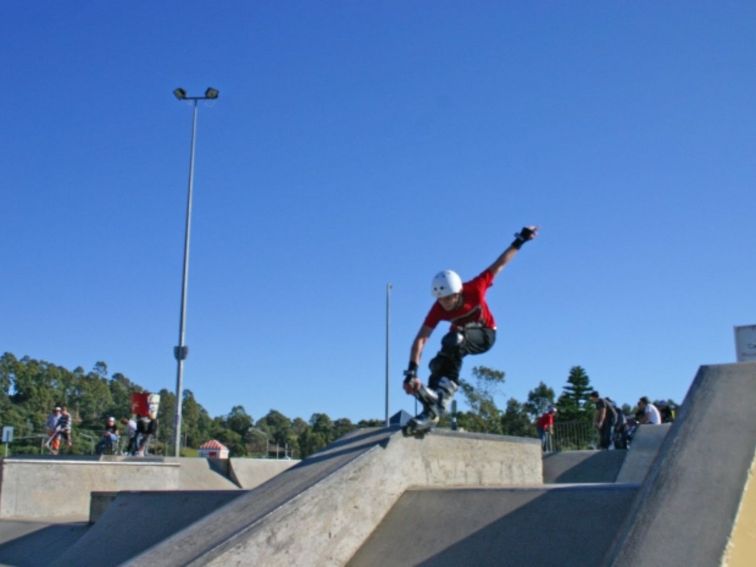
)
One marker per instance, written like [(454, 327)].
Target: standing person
[(650, 415), (472, 331), (545, 428), (603, 419), (64, 426), (620, 425), (53, 439)]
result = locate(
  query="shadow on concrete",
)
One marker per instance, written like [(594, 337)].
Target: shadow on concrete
[(582, 466), (40, 546), (533, 528), (137, 520)]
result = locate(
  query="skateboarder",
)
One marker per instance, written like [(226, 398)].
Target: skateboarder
[(472, 331)]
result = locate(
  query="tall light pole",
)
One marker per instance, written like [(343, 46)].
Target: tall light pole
[(181, 351), (388, 327)]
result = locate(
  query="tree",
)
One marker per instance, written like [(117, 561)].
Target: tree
[(341, 427), (239, 421), (166, 419), (539, 399), (480, 398), (572, 404), (121, 389), (279, 428), (195, 421), (515, 420)]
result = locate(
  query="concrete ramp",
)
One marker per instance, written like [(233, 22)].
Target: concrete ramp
[(643, 452), (559, 526), (572, 467), (134, 521), (320, 511), (686, 510), (250, 473)]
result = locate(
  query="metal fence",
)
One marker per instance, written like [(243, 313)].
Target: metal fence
[(572, 435)]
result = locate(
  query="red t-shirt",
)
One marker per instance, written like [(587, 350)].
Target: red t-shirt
[(545, 421), (474, 308)]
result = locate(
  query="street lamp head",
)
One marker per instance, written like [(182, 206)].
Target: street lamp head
[(179, 93), (211, 93)]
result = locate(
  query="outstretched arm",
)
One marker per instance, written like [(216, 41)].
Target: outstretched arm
[(526, 234)]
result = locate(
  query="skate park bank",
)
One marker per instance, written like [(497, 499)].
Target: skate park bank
[(682, 495), (56, 489)]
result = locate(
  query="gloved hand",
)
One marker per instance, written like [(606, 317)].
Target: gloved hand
[(411, 381), (527, 233)]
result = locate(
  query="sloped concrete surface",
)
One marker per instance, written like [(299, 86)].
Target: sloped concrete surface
[(320, 511), (643, 452), (512, 527), (686, 508), (31, 544), (572, 467), (251, 473), (135, 521)]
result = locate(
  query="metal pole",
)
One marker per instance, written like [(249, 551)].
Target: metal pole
[(181, 350), (388, 328)]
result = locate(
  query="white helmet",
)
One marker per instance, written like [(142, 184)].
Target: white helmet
[(446, 283)]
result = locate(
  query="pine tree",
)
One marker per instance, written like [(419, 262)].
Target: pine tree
[(572, 402)]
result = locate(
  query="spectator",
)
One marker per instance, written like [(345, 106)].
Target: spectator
[(620, 425), (109, 441), (603, 419), (651, 415), (545, 427), (667, 411), (64, 426), (53, 439), (131, 431)]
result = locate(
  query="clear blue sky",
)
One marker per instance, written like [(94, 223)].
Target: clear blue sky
[(360, 143)]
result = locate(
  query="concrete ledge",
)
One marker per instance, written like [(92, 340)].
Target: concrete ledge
[(25, 482), (338, 505), (686, 508), (59, 490)]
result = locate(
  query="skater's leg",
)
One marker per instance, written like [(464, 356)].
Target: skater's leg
[(447, 364)]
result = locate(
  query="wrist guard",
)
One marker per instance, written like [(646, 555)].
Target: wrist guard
[(522, 237), (411, 372)]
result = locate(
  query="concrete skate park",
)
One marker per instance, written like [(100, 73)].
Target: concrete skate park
[(682, 495)]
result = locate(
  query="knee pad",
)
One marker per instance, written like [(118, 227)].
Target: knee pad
[(452, 341)]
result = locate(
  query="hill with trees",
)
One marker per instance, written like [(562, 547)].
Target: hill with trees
[(32, 388)]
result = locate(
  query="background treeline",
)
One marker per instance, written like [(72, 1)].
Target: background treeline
[(31, 388)]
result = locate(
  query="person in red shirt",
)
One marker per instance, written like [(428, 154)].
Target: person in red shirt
[(472, 331), (545, 428)]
